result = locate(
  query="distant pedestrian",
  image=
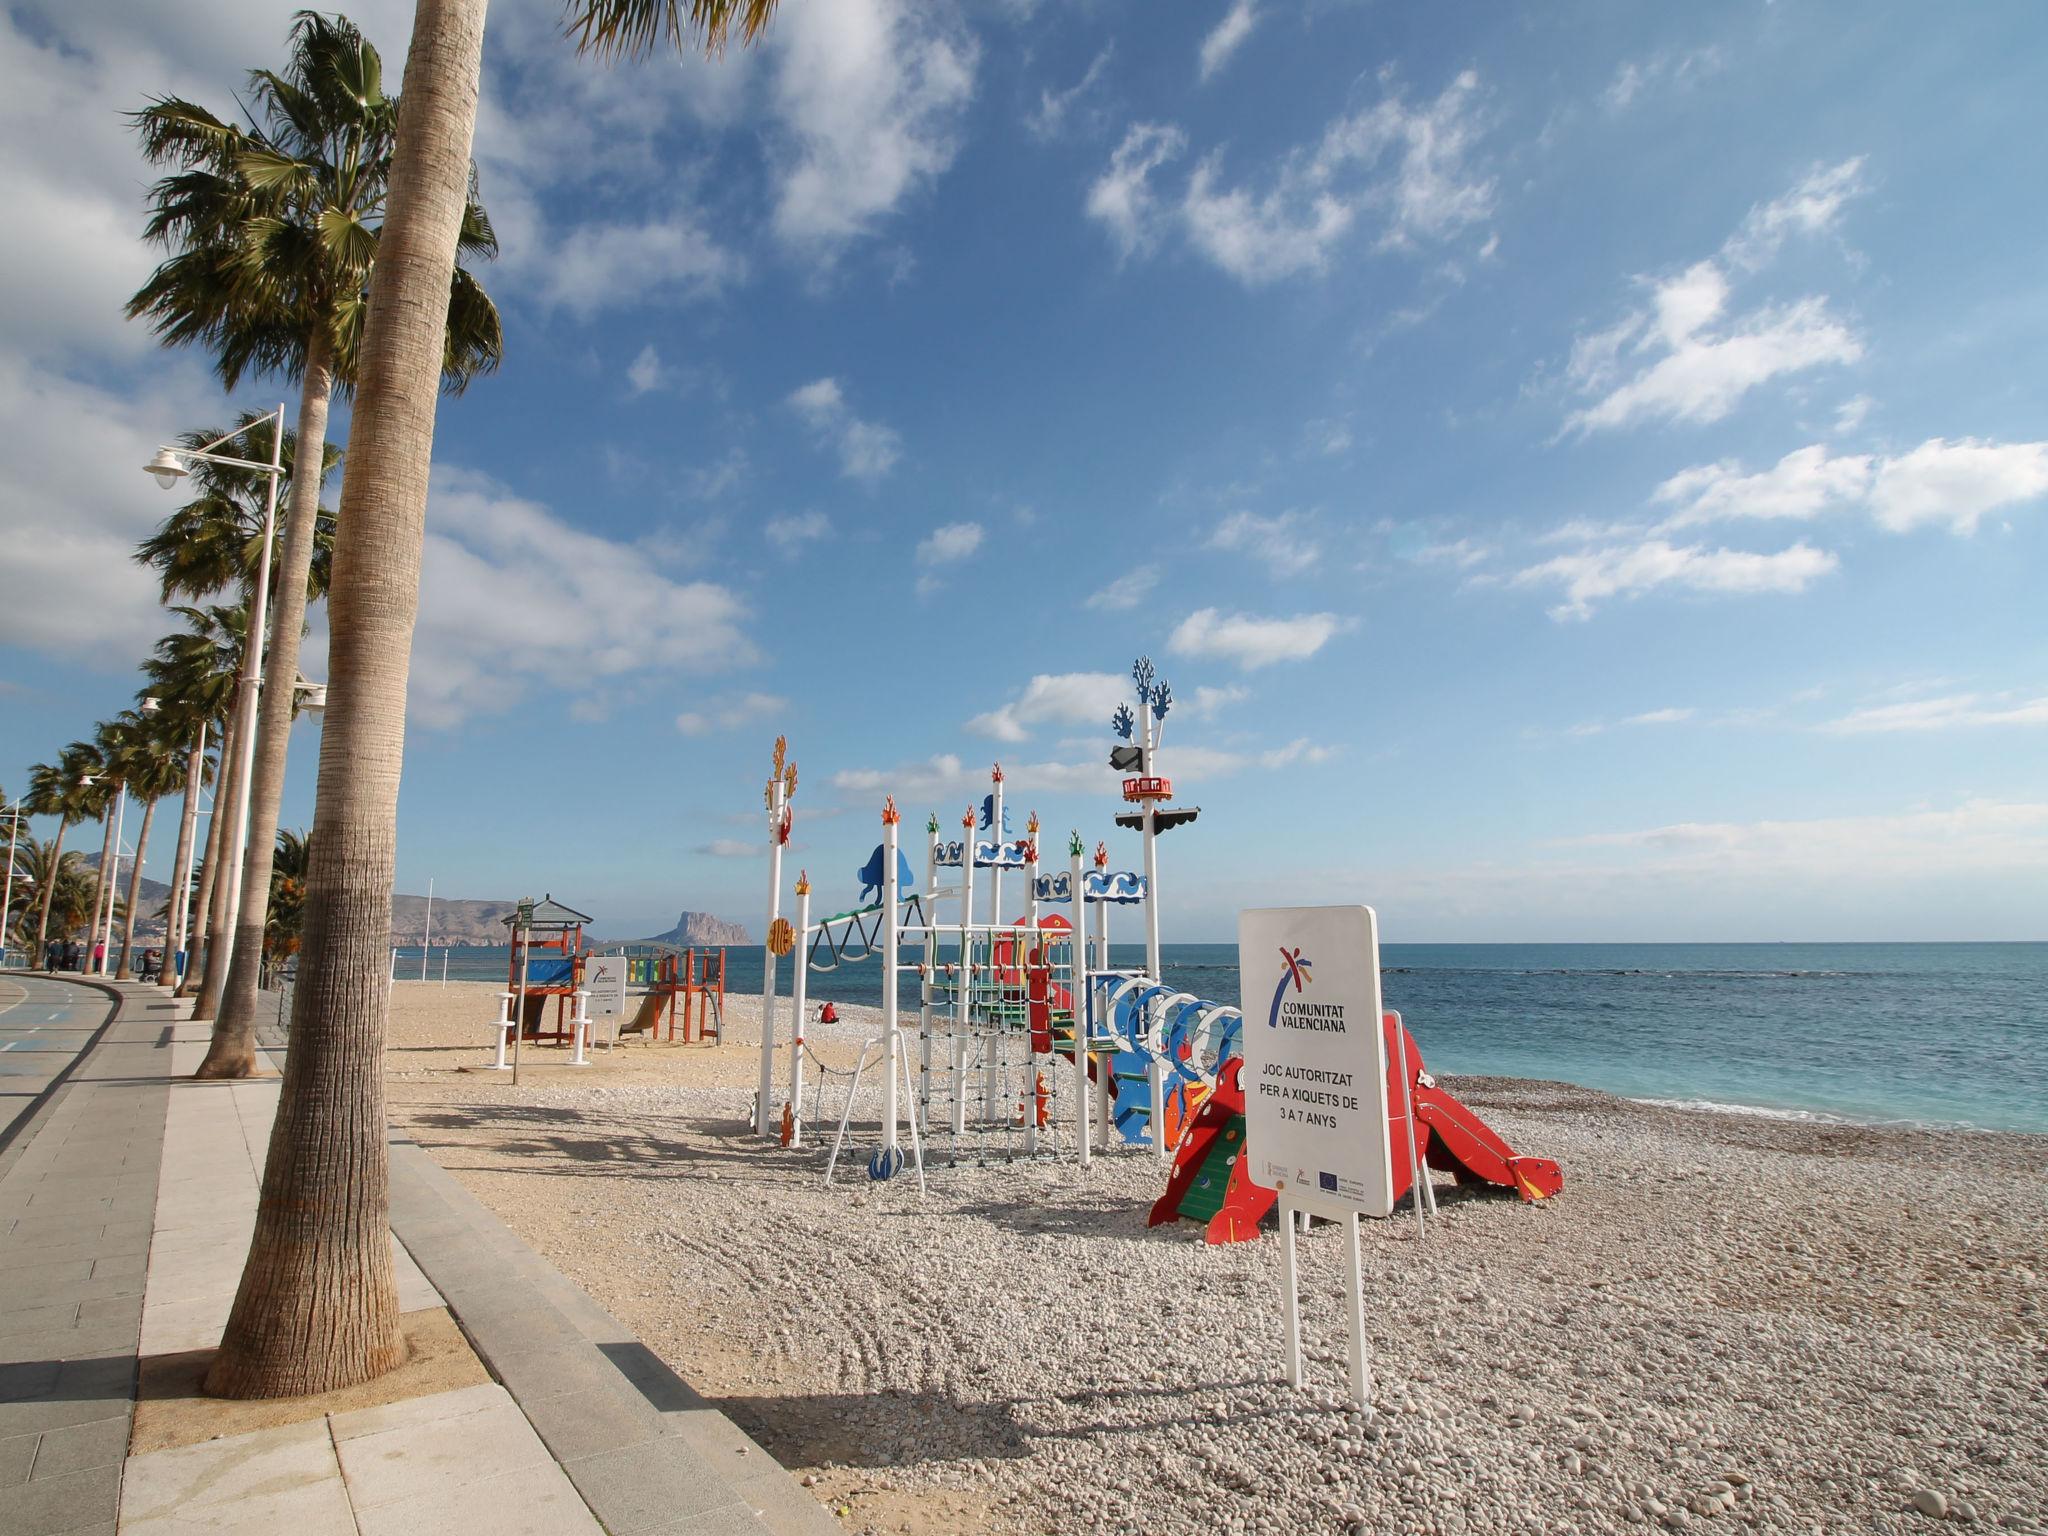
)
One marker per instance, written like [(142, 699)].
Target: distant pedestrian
[(150, 965), (53, 955), (99, 957), (71, 955)]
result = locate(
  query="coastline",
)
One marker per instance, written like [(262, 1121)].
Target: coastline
[(1797, 1323)]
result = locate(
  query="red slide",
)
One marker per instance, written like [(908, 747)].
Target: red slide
[(1211, 1183)]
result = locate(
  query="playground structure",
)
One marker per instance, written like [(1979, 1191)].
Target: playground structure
[(683, 988), (1022, 1039), (546, 961)]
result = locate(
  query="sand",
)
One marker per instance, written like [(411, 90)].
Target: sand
[(1724, 1321)]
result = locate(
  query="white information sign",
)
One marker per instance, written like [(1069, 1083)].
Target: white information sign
[(1315, 1057), (604, 977)]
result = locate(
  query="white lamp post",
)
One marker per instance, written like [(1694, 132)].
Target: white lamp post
[(13, 813), (168, 467)]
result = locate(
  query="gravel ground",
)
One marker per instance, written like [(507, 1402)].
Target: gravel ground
[(1724, 1321)]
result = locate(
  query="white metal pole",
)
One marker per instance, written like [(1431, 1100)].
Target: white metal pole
[(181, 899), (444, 965), (7, 899), (252, 682), (765, 1091), (929, 977), (995, 832), (1034, 942), (519, 1009), (1083, 1000), (1104, 1118), (965, 977), (891, 1104), (1354, 1316), (106, 945), (1416, 1177), (1290, 1294), (427, 928), (992, 1073), (799, 985)]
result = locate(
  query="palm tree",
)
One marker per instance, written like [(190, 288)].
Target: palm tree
[(285, 922), (59, 789), (273, 231), (154, 770), (198, 667), (192, 697), (317, 1309)]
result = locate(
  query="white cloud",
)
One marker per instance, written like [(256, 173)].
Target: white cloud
[(644, 373), (1207, 702), (493, 560), (1410, 168), (1121, 198), (1329, 436), (1700, 376), (1228, 36), (1803, 484), (595, 267), (1977, 834), (1250, 641), (1851, 414), (1277, 541), (1460, 554), (1812, 207), (1661, 71), (949, 542), (730, 711), (1947, 484), (1957, 484), (1629, 570), (1684, 358), (1127, 591), (729, 848), (790, 534), (1049, 119), (1672, 716), (1955, 712), (1063, 697), (944, 776), (871, 96), (868, 450)]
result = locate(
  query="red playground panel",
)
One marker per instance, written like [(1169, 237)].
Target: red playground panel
[(1210, 1181)]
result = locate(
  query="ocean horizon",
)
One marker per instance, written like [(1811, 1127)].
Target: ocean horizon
[(1936, 1034)]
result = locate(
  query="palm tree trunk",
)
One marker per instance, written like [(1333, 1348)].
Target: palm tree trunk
[(197, 923), (99, 885), (228, 790), (188, 819), (50, 890), (318, 1309), (232, 1052), (134, 892)]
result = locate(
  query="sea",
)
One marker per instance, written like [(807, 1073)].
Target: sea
[(1945, 1035)]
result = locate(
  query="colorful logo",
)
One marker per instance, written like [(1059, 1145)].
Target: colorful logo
[(1294, 969)]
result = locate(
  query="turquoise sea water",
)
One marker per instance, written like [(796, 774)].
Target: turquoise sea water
[(1943, 1034)]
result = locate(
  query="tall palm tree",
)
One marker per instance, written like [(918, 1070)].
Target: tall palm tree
[(273, 230), (317, 1308), (285, 924), (59, 789), (194, 673), (215, 542)]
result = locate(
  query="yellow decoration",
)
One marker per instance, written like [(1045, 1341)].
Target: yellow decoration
[(781, 937)]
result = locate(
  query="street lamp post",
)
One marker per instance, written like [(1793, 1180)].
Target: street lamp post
[(168, 467), (13, 813)]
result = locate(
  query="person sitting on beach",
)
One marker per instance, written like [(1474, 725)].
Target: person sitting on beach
[(828, 1014)]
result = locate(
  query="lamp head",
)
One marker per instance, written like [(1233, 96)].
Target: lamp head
[(151, 705), (312, 696), (167, 467)]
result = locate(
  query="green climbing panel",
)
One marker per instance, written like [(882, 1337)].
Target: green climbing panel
[(1204, 1197)]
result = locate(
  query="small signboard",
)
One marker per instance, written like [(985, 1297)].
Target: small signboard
[(1315, 1066), (604, 978)]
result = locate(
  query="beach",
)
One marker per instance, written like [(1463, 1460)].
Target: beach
[(1725, 1320)]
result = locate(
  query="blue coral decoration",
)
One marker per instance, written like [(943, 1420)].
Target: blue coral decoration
[(1124, 721), (1162, 701)]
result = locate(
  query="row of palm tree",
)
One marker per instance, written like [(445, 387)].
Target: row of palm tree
[(320, 238)]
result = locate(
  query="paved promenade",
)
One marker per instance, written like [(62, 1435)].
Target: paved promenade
[(127, 1195)]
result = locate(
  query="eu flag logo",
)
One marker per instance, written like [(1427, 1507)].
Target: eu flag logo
[(1327, 1181)]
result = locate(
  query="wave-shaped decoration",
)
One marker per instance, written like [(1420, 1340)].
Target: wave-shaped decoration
[(1000, 855), (950, 854), (1119, 887), (1053, 888)]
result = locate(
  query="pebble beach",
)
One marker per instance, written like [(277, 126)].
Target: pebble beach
[(1724, 1322)]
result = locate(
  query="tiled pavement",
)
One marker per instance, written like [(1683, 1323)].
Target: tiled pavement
[(125, 1210)]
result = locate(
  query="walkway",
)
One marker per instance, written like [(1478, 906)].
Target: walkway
[(124, 1216), (45, 1026)]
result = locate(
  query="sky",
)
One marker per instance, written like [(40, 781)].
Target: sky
[(1581, 468)]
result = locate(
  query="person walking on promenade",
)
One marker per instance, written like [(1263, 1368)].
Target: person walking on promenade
[(53, 952)]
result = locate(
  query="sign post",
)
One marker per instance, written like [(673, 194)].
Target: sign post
[(1315, 1079)]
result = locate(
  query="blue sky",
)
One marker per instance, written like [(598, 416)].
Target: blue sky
[(1581, 469)]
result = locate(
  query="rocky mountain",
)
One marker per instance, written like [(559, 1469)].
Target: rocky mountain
[(153, 891), (700, 930)]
